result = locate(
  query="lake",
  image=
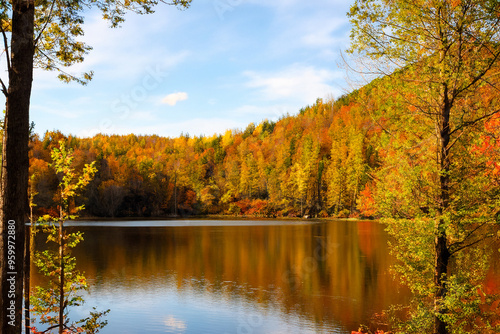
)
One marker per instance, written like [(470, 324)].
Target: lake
[(242, 277)]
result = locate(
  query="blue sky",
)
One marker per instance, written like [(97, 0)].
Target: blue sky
[(219, 65)]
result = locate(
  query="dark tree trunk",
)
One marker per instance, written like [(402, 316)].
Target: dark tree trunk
[(61, 277), (442, 254), (15, 166), (440, 271)]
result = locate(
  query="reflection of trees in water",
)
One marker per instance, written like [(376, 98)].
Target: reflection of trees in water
[(334, 271)]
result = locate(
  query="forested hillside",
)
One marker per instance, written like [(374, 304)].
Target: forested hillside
[(322, 162), (419, 148), (315, 163)]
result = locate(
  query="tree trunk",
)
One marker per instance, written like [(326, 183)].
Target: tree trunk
[(61, 278), (442, 254), (175, 195), (440, 271), (15, 166)]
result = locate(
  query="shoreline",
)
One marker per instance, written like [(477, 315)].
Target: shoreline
[(220, 217)]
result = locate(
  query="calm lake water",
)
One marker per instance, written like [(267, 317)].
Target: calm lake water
[(242, 277)]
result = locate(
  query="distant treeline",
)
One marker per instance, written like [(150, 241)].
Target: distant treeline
[(315, 163), (321, 162)]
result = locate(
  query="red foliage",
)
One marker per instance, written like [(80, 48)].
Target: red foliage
[(490, 145), (53, 212), (366, 202), (188, 200), (244, 205), (490, 297), (258, 208)]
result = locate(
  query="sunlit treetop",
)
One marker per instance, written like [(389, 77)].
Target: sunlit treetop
[(406, 32)]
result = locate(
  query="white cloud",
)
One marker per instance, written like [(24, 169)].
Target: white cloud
[(323, 33), (301, 27), (58, 111), (174, 324), (123, 56), (192, 51), (172, 99), (129, 47), (300, 83)]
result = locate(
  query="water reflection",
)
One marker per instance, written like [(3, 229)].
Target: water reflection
[(225, 278)]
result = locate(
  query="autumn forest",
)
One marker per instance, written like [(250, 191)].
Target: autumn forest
[(316, 163), (321, 162), (416, 148)]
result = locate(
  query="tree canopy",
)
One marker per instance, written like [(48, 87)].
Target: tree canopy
[(442, 59)]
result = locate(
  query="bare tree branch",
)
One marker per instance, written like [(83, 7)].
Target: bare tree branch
[(6, 45), (4, 88)]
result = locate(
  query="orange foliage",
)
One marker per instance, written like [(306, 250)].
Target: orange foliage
[(366, 202), (188, 202), (489, 145), (490, 297), (258, 208), (365, 235), (248, 170)]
